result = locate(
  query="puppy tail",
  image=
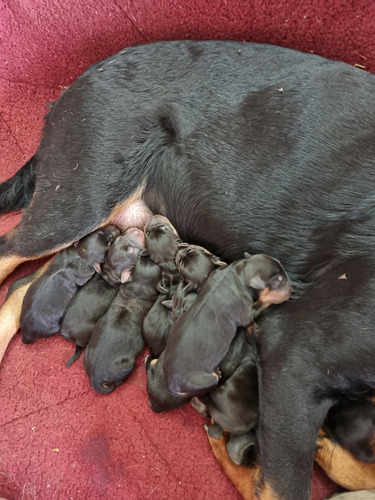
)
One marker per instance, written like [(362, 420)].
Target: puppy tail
[(16, 192), (75, 356)]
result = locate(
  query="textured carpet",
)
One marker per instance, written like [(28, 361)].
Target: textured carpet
[(58, 438)]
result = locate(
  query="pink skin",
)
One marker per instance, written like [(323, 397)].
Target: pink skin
[(136, 236)]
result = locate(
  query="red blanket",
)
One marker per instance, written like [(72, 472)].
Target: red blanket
[(58, 438)]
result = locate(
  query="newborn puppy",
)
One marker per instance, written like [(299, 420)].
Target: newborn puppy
[(161, 242), (117, 337), (47, 298), (351, 424), (159, 397), (94, 299), (122, 256), (233, 403), (195, 265), (231, 297), (161, 245)]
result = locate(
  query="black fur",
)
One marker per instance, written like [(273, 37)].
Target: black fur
[(200, 338), (161, 245), (16, 192), (262, 149), (84, 310), (48, 296), (351, 424), (195, 265), (93, 300), (233, 404), (117, 337), (310, 361)]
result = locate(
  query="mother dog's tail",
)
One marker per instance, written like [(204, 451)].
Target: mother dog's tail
[(16, 192)]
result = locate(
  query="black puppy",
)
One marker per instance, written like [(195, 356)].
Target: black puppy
[(161, 245), (94, 299), (233, 403), (194, 264), (117, 337), (48, 297), (351, 424), (122, 256), (231, 297)]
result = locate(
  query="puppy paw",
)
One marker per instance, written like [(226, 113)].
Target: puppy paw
[(214, 431), (200, 407)]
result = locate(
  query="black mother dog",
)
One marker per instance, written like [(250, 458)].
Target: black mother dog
[(241, 146)]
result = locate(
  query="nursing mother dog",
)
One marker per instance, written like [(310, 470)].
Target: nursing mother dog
[(244, 147)]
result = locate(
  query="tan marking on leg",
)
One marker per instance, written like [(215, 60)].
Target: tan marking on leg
[(10, 312), (9, 264), (343, 468), (268, 493)]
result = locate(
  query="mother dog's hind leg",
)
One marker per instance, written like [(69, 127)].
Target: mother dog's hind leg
[(289, 422), (10, 312), (52, 222), (343, 468)]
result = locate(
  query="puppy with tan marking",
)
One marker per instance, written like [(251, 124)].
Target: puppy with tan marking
[(93, 300), (48, 296), (231, 297)]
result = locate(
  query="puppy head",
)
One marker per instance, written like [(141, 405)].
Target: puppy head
[(267, 277), (195, 264), (161, 239), (145, 272), (160, 398), (122, 256), (93, 247)]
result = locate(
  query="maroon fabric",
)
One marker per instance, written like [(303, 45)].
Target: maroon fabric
[(58, 438)]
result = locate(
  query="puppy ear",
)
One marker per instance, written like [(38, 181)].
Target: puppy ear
[(97, 267), (220, 263), (257, 283), (167, 303), (125, 276), (144, 253), (189, 287), (247, 255), (182, 244), (161, 289)]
